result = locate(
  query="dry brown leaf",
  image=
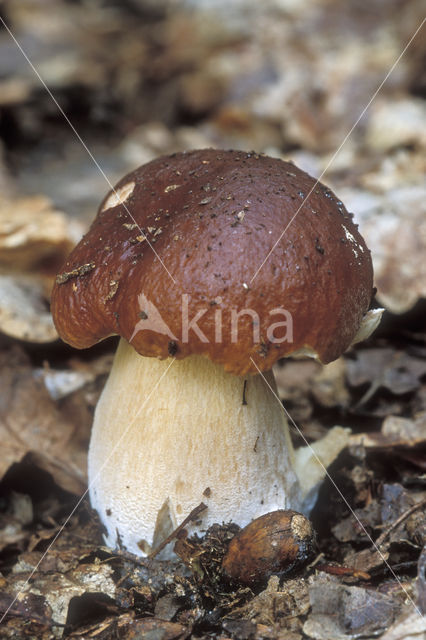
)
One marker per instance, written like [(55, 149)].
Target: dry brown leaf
[(340, 612), (24, 310), (391, 211), (395, 370), (58, 589), (406, 432), (276, 604), (350, 528), (329, 386), (421, 581), (33, 233), (396, 122), (395, 432), (366, 559), (30, 422), (294, 377), (132, 628), (34, 241), (398, 247), (410, 625), (28, 606)]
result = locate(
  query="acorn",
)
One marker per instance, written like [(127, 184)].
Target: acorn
[(279, 543)]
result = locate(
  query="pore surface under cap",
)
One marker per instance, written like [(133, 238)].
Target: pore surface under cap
[(212, 217)]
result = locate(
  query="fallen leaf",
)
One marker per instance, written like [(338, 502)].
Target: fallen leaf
[(421, 581), (350, 529), (58, 590), (29, 606), (395, 432), (30, 422), (366, 559), (241, 629), (405, 431), (390, 208), (24, 309), (395, 370), (277, 605), (294, 377), (397, 122), (33, 234), (132, 628), (340, 612), (329, 385), (408, 626)]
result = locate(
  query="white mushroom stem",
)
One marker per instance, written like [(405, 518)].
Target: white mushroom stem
[(165, 439)]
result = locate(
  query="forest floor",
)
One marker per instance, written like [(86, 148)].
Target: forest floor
[(138, 79)]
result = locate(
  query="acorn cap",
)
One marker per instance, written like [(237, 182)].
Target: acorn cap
[(212, 218)]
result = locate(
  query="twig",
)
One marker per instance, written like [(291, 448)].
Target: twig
[(124, 555), (343, 571), (314, 562), (194, 513), (398, 521)]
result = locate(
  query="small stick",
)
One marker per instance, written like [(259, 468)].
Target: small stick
[(398, 521), (194, 513), (343, 571), (314, 562)]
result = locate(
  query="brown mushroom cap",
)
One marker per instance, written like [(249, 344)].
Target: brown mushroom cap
[(212, 217)]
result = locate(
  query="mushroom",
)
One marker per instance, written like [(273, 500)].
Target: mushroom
[(188, 413)]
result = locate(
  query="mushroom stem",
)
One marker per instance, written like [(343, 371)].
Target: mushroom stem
[(158, 450)]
